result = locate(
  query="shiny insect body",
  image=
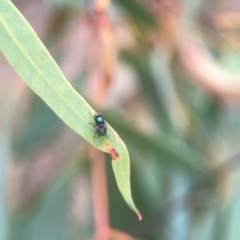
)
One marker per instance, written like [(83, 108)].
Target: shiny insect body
[(100, 125), (100, 128)]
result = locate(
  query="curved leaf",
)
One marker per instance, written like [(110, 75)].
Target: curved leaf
[(31, 60)]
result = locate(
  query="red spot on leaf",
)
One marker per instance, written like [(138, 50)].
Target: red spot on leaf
[(114, 154)]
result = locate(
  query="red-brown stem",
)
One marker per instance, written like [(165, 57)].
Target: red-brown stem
[(98, 172), (99, 192)]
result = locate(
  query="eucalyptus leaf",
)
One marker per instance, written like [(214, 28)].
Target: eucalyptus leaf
[(31, 60)]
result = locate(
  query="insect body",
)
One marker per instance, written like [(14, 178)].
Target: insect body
[(100, 125), (101, 129)]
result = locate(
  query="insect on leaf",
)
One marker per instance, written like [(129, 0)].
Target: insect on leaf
[(31, 60)]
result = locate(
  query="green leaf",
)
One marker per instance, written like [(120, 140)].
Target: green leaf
[(7, 118), (28, 56)]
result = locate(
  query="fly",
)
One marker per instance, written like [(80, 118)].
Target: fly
[(101, 129)]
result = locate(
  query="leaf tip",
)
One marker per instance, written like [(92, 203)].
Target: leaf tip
[(139, 216)]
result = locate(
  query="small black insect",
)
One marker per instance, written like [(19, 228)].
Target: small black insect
[(100, 125), (100, 128)]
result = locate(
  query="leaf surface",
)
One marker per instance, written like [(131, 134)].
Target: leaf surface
[(28, 56)]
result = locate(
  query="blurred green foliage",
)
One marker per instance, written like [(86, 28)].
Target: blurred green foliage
[(184, 163)]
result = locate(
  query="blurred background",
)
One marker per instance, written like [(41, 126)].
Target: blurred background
[(165, 74)]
